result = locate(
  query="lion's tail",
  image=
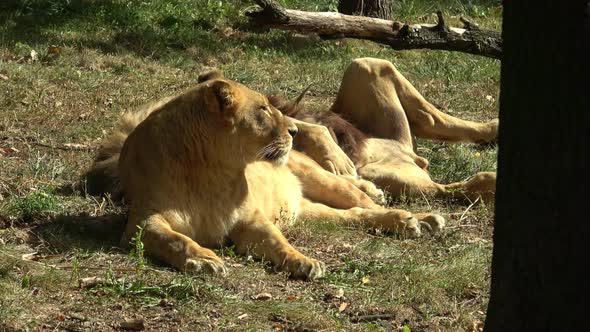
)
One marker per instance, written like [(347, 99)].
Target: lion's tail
[(102, 177)]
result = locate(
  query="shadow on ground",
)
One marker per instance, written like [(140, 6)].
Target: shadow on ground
[(82, 231), (113, 27)]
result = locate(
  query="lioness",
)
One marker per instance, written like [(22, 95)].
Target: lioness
[(213, 165), (374, 119)]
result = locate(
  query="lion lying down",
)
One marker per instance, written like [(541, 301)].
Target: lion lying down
[(375, 118), (214, 165)]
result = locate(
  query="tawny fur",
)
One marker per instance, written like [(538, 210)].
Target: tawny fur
[(380, 101), (375, 119), (214, 164), (102, 177), (349, 138)]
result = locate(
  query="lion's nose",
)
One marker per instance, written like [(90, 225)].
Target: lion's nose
[(293, 131)]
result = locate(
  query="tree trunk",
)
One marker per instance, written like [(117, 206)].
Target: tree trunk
[(371, 8), (542, 234)]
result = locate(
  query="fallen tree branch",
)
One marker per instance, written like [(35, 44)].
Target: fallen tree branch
[(469, 39)]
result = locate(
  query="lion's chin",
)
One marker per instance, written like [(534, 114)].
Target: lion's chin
[(279, 157), (282, 160)]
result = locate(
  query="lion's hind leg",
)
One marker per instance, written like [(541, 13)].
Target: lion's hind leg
[(263, 240), (427, 121), (408, 180), (481, 185), (381, 101), (174, 248), (389, 220)]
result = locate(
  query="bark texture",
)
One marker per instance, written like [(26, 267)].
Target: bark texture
[(400, 36), (542, 232), (370, 8)]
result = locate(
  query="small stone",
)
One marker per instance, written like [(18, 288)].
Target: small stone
[(262, 296), (133, 325)]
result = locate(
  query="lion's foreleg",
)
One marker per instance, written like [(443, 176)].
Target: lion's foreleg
[(180, 251), (322, 186), (368, 188), (317, 143), (263, 240)]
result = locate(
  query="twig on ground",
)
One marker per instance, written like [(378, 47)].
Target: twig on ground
[(371, 318), (462, 217), (62, 146), (462, 226)]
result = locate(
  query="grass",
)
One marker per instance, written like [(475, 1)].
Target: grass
[(96, 59), (35, 204)]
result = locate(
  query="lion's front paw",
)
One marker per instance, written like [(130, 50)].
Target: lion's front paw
[(339, 166), (376, 194), (205, 264), (299, 266)]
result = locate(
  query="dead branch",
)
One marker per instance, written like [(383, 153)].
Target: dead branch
[(400, 36), (63, 146)]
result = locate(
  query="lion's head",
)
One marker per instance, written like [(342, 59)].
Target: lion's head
[(264, 133)]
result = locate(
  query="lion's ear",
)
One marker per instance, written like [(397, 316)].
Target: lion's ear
[(223, 96), (210, 75)]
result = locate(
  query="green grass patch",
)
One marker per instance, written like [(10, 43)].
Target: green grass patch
[(96, 59), (38, 203), (457, 162)]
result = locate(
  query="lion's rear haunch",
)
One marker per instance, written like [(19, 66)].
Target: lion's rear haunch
[(102, 177)]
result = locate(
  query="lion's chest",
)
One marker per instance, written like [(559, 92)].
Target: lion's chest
[(210, 214), (274, 191)]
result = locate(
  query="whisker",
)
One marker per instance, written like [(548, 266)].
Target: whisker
[(266, 151), (273, 151)]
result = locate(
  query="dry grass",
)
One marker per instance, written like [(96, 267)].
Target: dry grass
[(112, 56)]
